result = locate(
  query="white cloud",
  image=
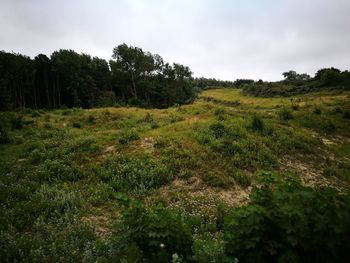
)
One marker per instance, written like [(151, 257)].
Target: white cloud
[(222, 39)]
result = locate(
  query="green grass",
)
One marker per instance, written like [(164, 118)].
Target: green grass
[(62, 171)]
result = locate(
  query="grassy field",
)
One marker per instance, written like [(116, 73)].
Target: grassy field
[(67, 174)]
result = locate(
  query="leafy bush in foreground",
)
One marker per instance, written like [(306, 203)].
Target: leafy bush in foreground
[(154, 234), (287, 222)]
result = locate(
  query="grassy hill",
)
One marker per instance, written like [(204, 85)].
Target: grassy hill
[(74, 182)]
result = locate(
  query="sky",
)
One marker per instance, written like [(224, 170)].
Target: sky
[(224, 39)]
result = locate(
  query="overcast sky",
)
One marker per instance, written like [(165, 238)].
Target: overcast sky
[(225, 39)]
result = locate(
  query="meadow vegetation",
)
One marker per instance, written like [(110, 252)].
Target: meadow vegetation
[(232, 178)]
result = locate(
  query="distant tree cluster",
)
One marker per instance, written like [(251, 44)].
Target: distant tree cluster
[(205, 83), (69, 79), (294, 83)]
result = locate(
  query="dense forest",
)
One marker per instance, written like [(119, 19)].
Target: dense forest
[(69, 79)]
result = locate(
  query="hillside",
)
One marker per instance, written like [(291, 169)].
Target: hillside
[(126, 182)]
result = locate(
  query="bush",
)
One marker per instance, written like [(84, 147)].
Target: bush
[(257, 124), (4, 137), (16, 122), (329, 127), (91, 119), (217, 180), (76, 125), (156, 233), (285, 114), (346, 114), (127, 136), (218, 130), (317, 111), (126, 174), (242, 179), (287, 222), (209, 248)]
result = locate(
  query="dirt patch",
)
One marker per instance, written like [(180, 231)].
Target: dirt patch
[(309, 175), (194, 188), (148, 144), (109, 149), (102, 220), (192, 120)]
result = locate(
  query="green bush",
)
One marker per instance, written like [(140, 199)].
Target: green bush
[(127, 136), (257, 124), (135, 175), (242, 179), (218, 130), (285, 114), (4, 136), (76, 125), (16, 121), (100, 193), (287, 222), (329, 127), (317, 110), (217, 180), (154, 234), (58, 170), (56, 200), (209, 248)]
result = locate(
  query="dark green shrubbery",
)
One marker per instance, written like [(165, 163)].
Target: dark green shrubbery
[(151, 235), (285, 114), (4, 136), (287, 222), (257, 124), (218, 130)]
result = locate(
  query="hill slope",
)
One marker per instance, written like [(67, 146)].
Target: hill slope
[(63, 171)]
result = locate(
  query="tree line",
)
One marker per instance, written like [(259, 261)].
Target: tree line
[(69, 79), (295, 83)]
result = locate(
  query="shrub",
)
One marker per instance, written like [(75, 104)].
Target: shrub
[(35, 114), (4, 137), (218, 130), (329, 127), (285, 114), (219, 111), (76, 125), (136, 175), (295, 106), (91, 119), (156, 233), (346, 114), (209, 248), (217, 180), (242, 179), (257, 124), (56, 200), (287, 222), (16, 122), (127, 136), (100, 193), (58, 170), (317, 111)]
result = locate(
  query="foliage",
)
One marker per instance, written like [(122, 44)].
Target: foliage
[(128, 136), (257, 124), (286, 221), (156, 233), (135, 175), (285, 114)]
